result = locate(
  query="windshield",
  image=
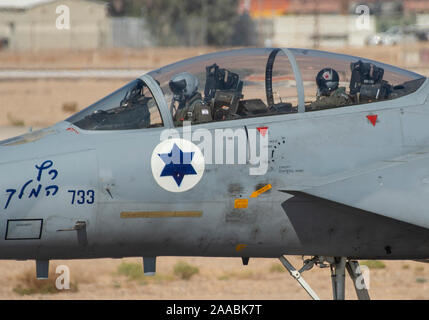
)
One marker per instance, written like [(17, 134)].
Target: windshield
[(130, 107), (249, 64), (229, 85)]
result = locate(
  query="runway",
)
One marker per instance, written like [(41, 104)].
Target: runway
[(21, 74)]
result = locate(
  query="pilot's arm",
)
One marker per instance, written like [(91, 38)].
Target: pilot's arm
[(337, 98), (195, 111)]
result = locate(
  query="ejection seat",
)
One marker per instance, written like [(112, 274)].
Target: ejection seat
[(367, 84), (223, 91)]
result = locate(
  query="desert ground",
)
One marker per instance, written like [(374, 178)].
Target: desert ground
[(213, 278), (39, 103)]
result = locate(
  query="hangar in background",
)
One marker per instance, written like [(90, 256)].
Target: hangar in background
[(31, 25)]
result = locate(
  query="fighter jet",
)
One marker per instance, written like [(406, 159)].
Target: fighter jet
[(245, 153)]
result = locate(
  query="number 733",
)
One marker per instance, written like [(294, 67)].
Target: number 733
[(82, 196)]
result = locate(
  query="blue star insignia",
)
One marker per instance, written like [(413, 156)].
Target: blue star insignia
[(177, 164)]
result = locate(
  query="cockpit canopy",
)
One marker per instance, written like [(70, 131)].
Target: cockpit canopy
[(130, 107), (245, 83)]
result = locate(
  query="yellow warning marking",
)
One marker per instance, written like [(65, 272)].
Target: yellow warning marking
[(162, 214), (241, 203), (260, 191), (240, 247)]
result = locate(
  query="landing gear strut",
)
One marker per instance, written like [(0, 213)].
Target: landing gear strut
[(338, 277), (297, 275), (338, 266)]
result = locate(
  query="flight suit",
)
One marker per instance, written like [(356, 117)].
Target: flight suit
[(194, 110), (338, 98)]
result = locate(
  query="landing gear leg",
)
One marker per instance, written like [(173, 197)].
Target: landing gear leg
[(338, 277), (297, 276), (359, 283)]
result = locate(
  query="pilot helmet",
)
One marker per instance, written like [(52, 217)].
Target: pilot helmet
[(327, 81), (184, 84)]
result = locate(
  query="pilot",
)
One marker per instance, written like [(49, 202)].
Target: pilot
[(329, 95), (187, 101)]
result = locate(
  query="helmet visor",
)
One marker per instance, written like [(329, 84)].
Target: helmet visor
[(177, 87), (331, 85)]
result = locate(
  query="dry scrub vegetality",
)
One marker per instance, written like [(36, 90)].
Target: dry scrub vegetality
[(217, 278)]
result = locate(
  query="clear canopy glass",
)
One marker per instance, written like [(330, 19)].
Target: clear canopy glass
[(130, 107), (245, 83), (248, 96), (310, 62)]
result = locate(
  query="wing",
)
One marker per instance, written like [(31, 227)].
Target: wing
[(397, 188)]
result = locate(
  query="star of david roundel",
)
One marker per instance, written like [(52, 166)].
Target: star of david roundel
[(177, 165)]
